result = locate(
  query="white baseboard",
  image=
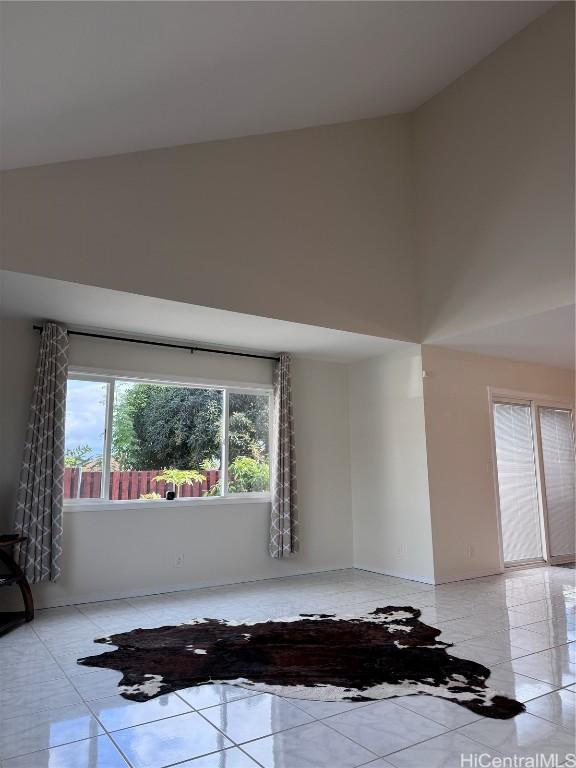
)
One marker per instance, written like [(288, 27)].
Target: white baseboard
[(447, 579), (562, 559), (53, 601), (46, 601), (396, 574), (469, 575)]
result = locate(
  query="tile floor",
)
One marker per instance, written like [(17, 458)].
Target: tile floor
[(57, 714)]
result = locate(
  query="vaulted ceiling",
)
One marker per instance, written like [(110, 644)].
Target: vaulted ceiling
[(87, 79)]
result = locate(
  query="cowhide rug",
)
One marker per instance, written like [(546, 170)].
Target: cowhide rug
[(378, 655)]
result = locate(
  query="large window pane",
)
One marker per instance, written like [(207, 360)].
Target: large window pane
[(558, 460), (248, 443), (165, 438), (84, 438), (517, 484)]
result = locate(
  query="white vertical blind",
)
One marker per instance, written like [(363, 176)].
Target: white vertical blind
[(558, 461), (517, 483)]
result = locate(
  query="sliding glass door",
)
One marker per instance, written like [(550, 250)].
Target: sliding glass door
[(534, 448), (557, 443), (520, 520)]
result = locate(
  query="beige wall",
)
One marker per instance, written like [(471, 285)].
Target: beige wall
[(312, 226), (394, 476), (494, 165), (123, 552), (471, 196), (459, 450), (391, 511), (322, 226)]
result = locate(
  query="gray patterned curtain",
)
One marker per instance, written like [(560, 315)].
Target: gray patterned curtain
[(39, 504), (284, 520)]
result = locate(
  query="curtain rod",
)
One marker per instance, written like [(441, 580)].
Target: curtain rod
[(192, 349)]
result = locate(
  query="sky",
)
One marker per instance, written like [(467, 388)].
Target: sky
[(85, 415)]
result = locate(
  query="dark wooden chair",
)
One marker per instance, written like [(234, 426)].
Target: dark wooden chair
[(14, 576)]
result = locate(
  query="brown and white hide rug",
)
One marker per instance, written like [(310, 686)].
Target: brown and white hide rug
[(385, 653)]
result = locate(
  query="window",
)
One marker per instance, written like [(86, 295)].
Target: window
[(248, 443), (85, 420), (129, 439)]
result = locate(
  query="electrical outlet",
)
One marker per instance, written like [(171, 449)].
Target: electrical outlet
[(179, 560)]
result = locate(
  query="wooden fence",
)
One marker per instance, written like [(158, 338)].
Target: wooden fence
[(86, 484)]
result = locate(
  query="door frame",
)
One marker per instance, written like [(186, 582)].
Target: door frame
[(534, 400)]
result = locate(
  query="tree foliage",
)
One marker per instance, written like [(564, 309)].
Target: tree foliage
[(248, 426), (158, 426), (82, 456), (247, 474), (180, 477)]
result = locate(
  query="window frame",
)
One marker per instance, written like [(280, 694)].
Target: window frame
[(110, 377)]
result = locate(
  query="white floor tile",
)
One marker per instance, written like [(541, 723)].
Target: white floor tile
[(68, 661), (553, 666), (520, 624), (384, 727), (90, 753), (30, 672), (557, 632), (23, 701), (530, 640), (522, 735), (499, 647), (322, 709), (99, 684), (212, 694), (254, 717), (45, 729), (22, 653), (446, 713), (558, 707), (447, 751), (116, 712), (227, 758), (504, 679), (309, 746), (169, 741)]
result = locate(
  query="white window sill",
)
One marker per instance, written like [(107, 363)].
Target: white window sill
[(85, 505)]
